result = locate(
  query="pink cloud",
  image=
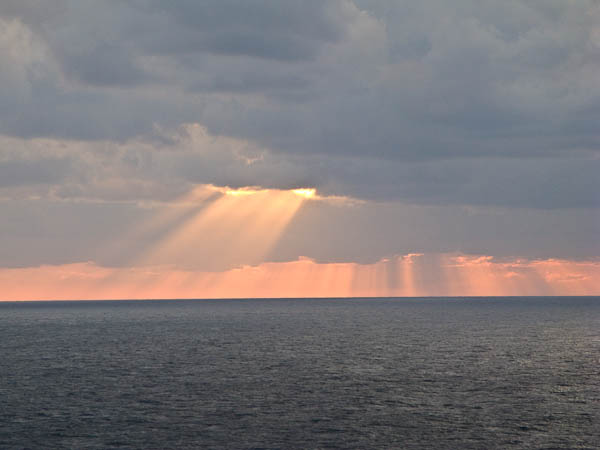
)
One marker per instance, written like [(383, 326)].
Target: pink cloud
[(408, 275)]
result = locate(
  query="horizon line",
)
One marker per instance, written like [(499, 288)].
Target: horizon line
[(426, 297)]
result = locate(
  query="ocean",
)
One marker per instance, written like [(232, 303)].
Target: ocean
[(446, 373)]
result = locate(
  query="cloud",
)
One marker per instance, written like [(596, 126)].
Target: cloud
[(406, 275), (18, 173), (431, 107), (392, 80), (168, 162), (272, 29)]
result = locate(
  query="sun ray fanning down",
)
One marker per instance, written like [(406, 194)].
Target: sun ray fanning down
[(168, 215)]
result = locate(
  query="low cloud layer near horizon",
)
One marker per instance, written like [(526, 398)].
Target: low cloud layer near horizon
[(462, 126)]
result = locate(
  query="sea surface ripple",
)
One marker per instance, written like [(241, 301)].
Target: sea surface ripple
[(478, 373)]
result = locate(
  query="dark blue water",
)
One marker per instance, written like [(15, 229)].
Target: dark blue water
[(434, 373)]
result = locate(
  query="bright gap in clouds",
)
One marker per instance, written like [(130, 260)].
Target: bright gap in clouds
[(305, 192)]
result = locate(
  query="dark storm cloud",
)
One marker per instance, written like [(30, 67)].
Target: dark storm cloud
[(104, 65), (433, 102), (543, 183), (101, 44), (253, 82), (270, 29)]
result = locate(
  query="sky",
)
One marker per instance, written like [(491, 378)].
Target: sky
[(275, 148)]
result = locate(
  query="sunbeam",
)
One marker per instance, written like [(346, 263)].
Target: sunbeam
[(168, 216), (239, 227)]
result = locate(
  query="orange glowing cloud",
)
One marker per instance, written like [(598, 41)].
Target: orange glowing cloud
[(408, 275)]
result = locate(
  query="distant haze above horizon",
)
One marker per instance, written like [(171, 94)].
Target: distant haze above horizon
[(299, 148)]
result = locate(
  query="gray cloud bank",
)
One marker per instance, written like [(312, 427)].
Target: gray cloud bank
[(431, 103)]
